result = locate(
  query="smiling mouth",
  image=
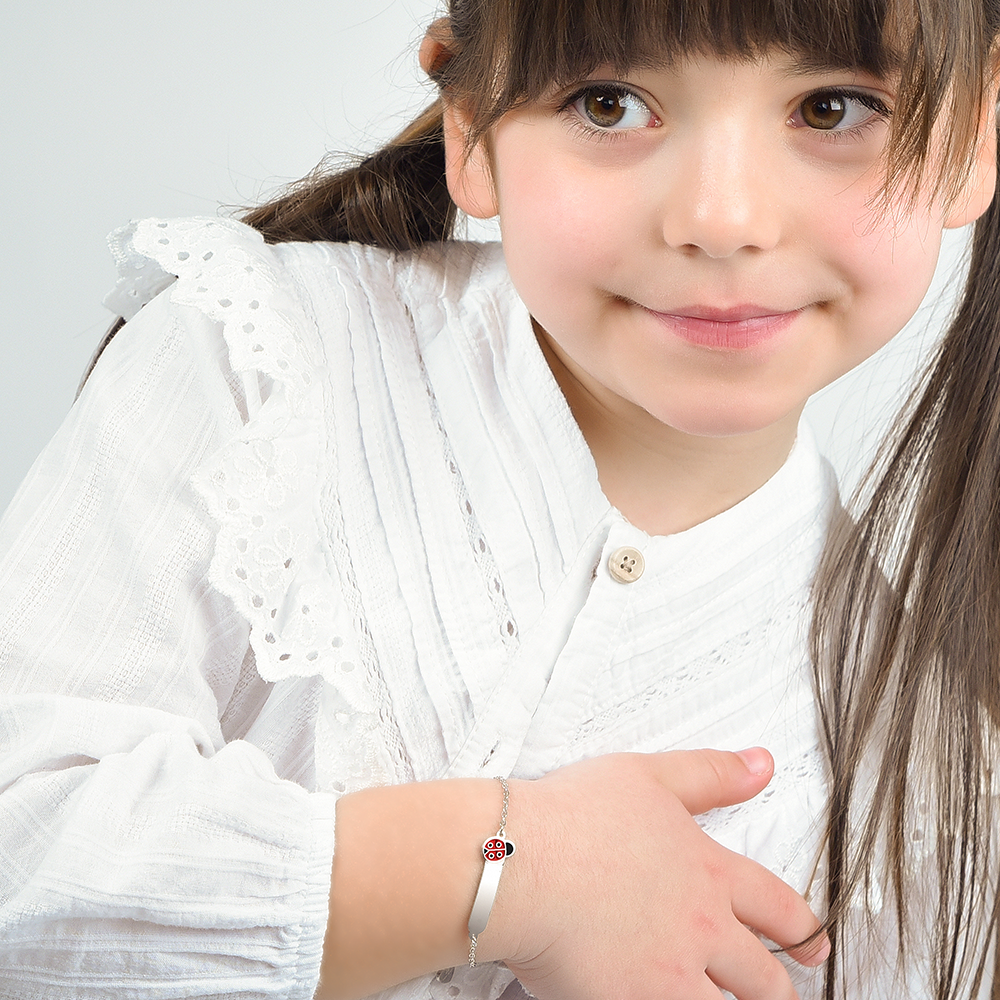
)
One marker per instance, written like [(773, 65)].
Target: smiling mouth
[(739, 328)]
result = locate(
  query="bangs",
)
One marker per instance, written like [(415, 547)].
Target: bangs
[(561, 41), (510, 52)]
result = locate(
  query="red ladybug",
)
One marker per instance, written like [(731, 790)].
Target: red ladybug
[(496, 849)]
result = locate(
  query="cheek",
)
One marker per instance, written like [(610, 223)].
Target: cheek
[(889, 269), (560, 230), (556, 222)]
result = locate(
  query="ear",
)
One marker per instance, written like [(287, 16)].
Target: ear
[(468, 171), (978, 191)]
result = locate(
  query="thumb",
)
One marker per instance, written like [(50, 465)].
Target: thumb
[(707, 779)]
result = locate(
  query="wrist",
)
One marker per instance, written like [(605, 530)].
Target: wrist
[(407, 863), (509, 922)]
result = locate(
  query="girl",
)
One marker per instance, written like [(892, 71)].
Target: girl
[(362, 522)]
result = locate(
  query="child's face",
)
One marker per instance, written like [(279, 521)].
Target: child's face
[(698, 244)]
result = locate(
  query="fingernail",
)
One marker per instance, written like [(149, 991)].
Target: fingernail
[(757, 760), (822, 955)]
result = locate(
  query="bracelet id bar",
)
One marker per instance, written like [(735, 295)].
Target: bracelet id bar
[(496, 850)]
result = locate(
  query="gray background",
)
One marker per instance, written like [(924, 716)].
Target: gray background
[(115, 110)]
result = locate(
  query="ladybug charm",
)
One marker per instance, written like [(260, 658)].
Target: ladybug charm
[(497, 849)]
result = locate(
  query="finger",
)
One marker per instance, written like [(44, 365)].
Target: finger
[(749, 971), (693, 986), (705, 990), (707, 779), (764, 902)]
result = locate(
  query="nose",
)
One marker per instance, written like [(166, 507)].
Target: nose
[(724, 195)]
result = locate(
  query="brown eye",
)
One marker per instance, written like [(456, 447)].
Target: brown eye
[(604, 107), (608, 108), (824, 111)]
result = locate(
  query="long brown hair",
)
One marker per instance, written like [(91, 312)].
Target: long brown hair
[(906, 652), (906, 637)]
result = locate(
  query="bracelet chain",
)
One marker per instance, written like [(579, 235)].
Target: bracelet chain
[(501, 832)]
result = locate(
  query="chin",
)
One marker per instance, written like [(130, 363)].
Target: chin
[(731, 421)]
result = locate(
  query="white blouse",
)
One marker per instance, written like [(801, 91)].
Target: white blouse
[(322, 519)]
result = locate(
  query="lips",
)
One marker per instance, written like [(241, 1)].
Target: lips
[(737, 328)]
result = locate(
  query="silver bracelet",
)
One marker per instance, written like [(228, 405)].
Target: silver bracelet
[(496, 850)]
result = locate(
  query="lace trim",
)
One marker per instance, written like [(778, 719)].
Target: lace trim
[(262, 486), (357, 749), (505, 624), (705, 670)]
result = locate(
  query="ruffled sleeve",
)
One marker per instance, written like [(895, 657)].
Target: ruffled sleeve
[(262, 486), (169, 527)]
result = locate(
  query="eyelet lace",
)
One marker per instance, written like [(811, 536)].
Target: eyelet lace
[(262, 487)]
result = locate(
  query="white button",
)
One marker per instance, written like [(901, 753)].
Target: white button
[(626, 564)]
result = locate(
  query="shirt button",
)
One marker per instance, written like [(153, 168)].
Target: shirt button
[(626, 564)]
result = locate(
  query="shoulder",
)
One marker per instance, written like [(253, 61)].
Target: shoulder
[(280, 309), (453, 274), (151, 253), (224, 271)]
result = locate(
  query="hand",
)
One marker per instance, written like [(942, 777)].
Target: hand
[(617, 892)]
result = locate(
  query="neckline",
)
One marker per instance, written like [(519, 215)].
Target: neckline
[(577, 469)]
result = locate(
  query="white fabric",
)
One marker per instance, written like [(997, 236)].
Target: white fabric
[(322, 519)]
